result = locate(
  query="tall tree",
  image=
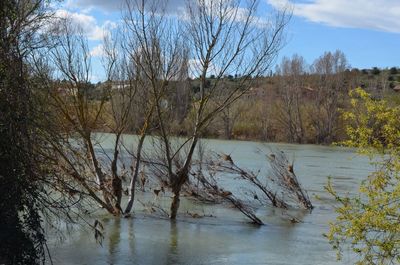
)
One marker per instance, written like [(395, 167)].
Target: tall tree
[(329, 70), (223, 38), (156, 48), (291, 87)]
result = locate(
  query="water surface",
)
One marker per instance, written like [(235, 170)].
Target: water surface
[(227, 237)]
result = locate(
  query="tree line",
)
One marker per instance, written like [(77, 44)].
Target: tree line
[(297, 103)]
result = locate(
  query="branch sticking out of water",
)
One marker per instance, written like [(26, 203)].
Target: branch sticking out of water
[(207, 189), (282, 174), (281, 189)]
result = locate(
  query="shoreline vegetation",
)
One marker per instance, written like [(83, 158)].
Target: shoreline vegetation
[(275, 109)]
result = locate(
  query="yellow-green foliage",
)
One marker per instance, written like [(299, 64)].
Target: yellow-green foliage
[(370, 222), (373, 124)]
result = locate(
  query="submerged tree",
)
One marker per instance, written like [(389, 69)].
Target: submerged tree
[(223, 38), (142, 60), (75, 109), (79, 116), (151, 60), (156, 48), (370, 221), (280, 187)]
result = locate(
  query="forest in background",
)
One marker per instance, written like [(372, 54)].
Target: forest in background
[(297, 103)]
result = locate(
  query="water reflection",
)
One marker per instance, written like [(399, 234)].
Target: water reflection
[(114, 239), (131, 239), (172, 257)]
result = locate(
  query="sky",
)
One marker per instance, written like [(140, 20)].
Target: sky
[(367, 31)]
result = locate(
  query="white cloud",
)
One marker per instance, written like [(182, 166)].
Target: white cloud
[(97, 51), (243, 14), (118, 5), (87, 23), (195, 68), (383, 15)]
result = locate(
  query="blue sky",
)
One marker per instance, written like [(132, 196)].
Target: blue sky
[(364, 48), (367, 31)]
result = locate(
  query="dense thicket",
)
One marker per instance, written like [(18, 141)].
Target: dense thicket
[(21, 235)]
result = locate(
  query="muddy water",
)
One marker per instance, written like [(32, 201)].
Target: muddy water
[(226, 237)]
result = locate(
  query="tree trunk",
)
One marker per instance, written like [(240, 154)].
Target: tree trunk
[(99, 174), (135, 175), (175, 205), (116, 180), (181, 178)]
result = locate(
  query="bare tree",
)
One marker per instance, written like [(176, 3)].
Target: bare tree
[(329, 70), (290, 89), (156, 48), (124, 86), (80, 117), (225, 38), (229, 117), (148, 62), (202, 184), (209, 190)]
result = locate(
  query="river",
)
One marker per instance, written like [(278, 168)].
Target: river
[(227, 237)]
